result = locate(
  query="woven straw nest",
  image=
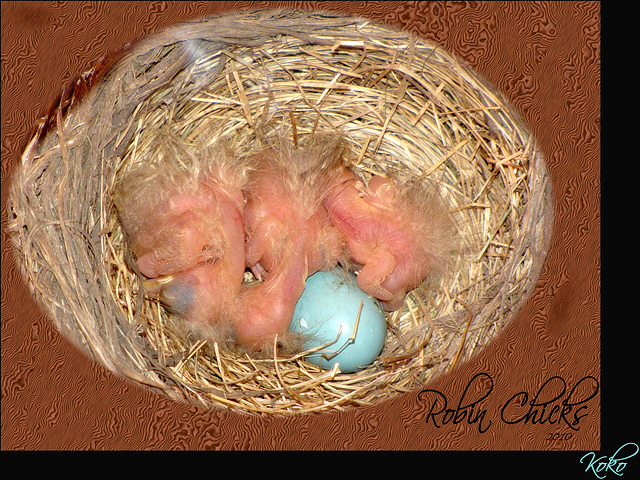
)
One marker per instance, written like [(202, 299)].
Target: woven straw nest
[(403, 104)]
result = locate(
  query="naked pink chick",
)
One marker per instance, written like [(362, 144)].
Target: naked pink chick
[(187, 231), (289, 236), (397, 234)]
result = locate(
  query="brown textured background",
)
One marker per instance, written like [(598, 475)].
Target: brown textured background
[(545, 56)]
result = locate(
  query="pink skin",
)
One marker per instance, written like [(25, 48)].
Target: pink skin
[(378, 237), (284, 247), (267, 307), (196, 260)]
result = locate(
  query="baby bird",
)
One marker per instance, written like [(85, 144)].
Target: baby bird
[(289, 235), (186, 228), (396, 233), (196, 221)]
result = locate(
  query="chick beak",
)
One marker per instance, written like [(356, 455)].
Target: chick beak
[(153, 286)]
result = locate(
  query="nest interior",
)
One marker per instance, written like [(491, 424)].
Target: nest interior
[(404, 105)]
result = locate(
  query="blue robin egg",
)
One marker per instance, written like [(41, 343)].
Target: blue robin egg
[(327, 313)]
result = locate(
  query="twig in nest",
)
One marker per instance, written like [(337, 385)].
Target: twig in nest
[(464, 336)]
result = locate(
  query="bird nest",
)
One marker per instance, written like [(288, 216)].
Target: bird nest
[(403, 105)]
